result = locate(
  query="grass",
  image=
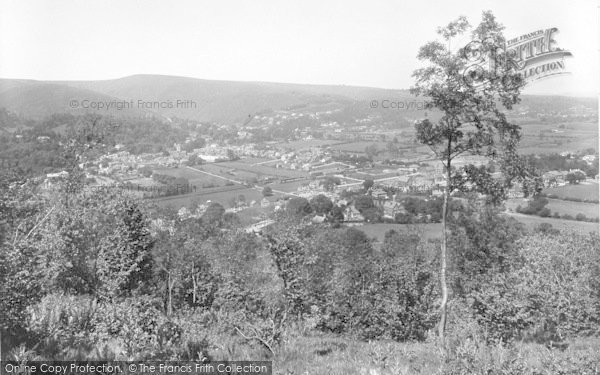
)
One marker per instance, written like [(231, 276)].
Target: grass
[(304, 144), (378, 231), (214, 195), (575, 136), (263, 169), (195, 178), (590, 210), (531, 221), (588, 190), (330, 354)]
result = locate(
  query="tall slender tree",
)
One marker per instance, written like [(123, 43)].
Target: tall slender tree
[(471, 87)]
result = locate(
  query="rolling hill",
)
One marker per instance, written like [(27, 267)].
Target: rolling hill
[(221, 101)]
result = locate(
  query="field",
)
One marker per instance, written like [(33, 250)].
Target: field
[(563, 207), (288, 187), (329, 354), (378, 231), (358, 147), (305, 144), (590, 210), (262, 170), (531, 222), (569, 136), (198, 179), (587, 190), (216, 195)]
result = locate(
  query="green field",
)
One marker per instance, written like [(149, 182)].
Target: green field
[(378, 231), (531, 222), (215, 195), (572, 136), (590, 210), (262, 170), (305, 144), (358, 147), (195, 178), (289, 187), (587, 190), (226, 172)]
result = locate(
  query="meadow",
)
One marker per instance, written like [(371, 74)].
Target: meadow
[(221, 195), (195, 178), (306, 144), (583, 191), (563, 207), (532, 221), (572, 136), (425, 231), (263, 170)]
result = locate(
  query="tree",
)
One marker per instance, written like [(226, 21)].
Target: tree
[(336, 216), (363, 202), (298, 206), (368, 183), (330, 182), (472, 118), (213, 214), (146, 171), (321, 205), (575, 177), (267, 191), (231, 155), (125, 259), (192, 160)]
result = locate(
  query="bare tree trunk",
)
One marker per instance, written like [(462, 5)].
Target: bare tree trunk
[(193, 284), (169, 301), (443, 306)]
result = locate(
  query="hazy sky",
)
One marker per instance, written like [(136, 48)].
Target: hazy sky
[(366, 43)]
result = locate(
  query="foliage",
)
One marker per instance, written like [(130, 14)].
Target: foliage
[(298, 207), (549, 294)]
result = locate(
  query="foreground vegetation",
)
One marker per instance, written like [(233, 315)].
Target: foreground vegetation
[(96, 276)]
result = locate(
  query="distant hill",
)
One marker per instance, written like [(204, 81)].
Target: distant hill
[(36, 99), (221, 101)]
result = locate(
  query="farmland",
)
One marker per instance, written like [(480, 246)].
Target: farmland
[(305, 144), (590, 210), (543, 138), (195, 178), (378, 231), (220, 195), (531, 221), (262, 170), (585, 191)]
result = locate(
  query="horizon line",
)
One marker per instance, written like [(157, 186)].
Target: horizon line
[(581, 95)]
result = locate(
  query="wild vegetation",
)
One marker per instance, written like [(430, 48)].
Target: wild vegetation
[(102, 275)]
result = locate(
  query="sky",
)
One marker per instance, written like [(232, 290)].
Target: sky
[(359, 43)]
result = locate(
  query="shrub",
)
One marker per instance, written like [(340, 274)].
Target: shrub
[(550, 293)]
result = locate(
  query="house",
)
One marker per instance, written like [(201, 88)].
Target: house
[(352, 214), (264, 203), (183, 213), (554, 178), (392, 208), (379, 193), (318, 219), (589, 159), (516, 191)]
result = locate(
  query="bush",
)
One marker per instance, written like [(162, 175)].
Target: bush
[(551, 292)]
